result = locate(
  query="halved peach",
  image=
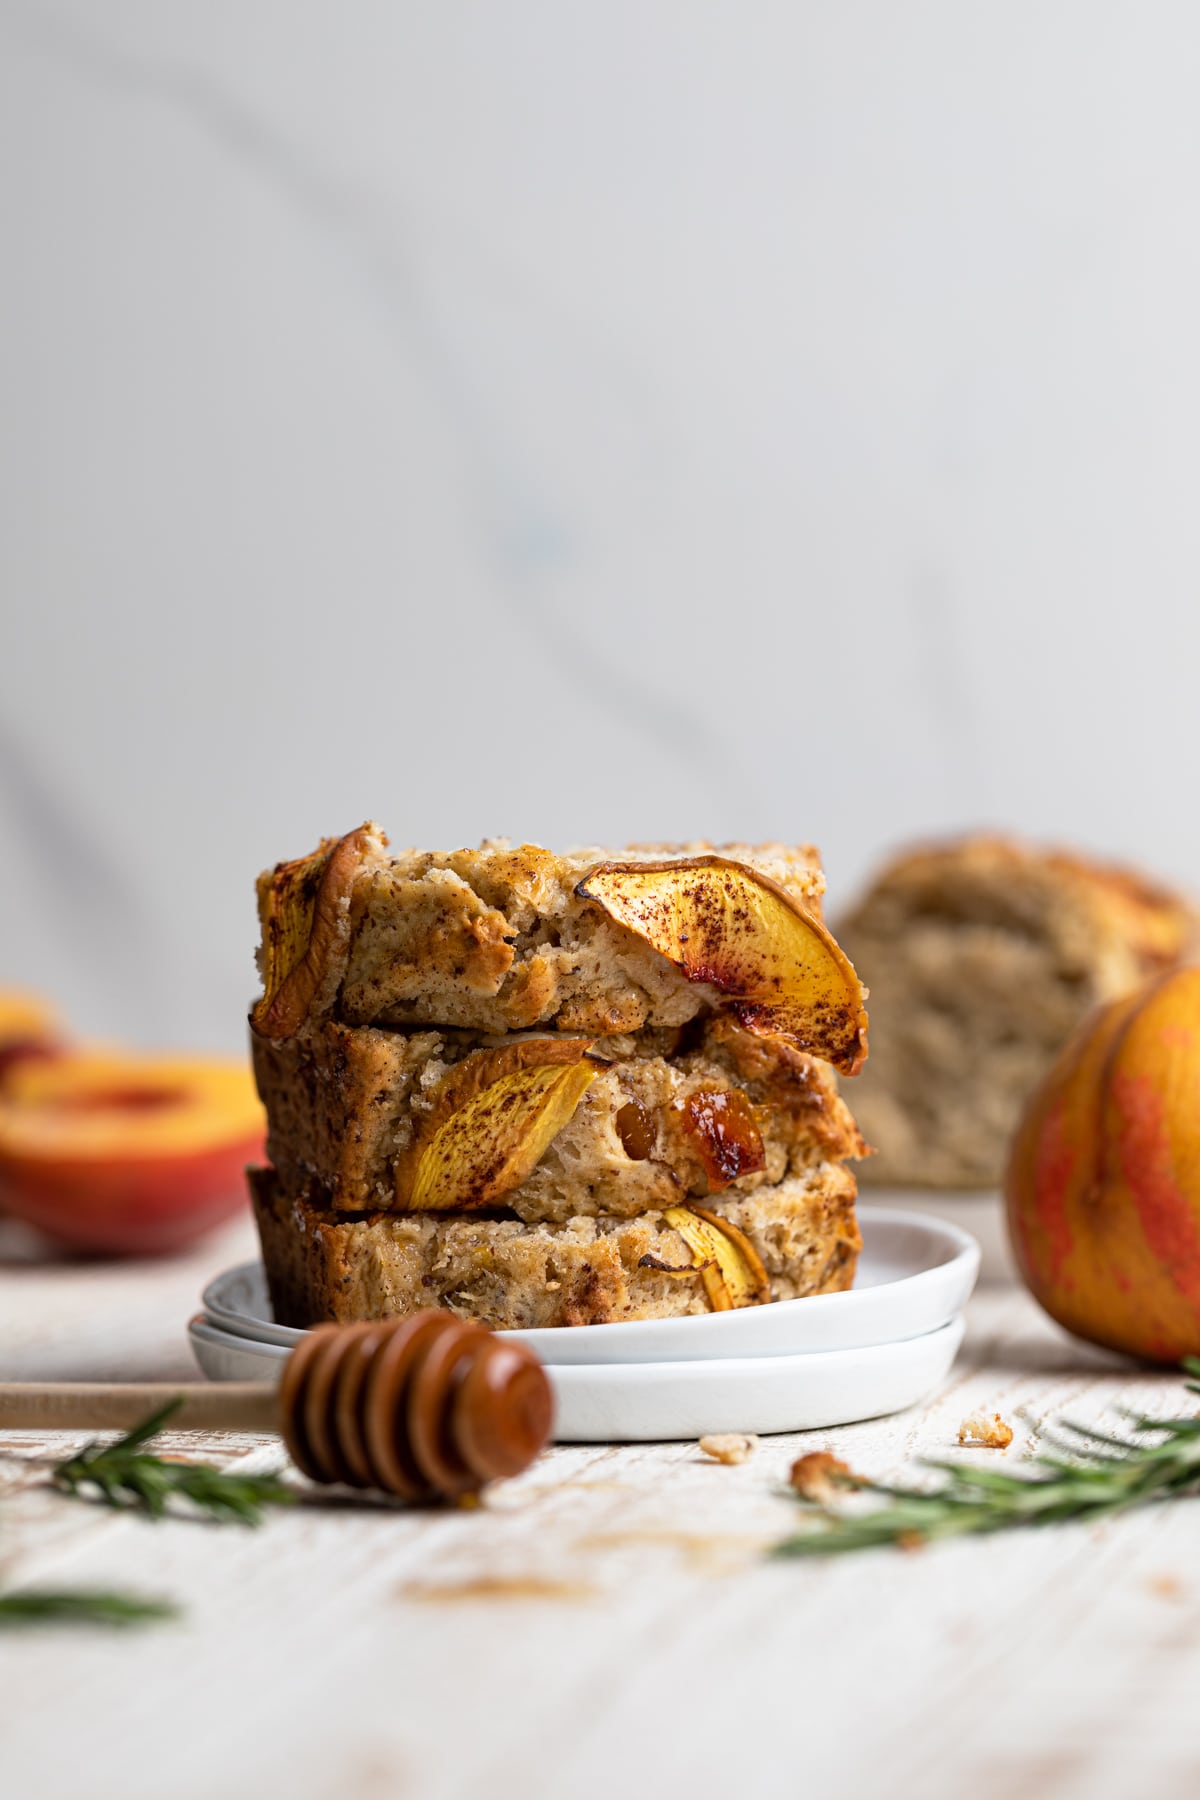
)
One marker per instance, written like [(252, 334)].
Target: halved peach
[(304, 910), (776, 967), (125, 1152), (29, 1026), (729, 1266), (492, 1119)]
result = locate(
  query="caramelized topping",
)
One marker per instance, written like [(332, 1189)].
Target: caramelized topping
[(636, 1130), (722, 1125)]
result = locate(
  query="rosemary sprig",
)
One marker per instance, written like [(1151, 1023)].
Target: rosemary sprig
[(80, 1606), (125, 1474), (1094, 1477)]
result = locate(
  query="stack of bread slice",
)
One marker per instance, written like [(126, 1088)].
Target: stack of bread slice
[(552, 1090)]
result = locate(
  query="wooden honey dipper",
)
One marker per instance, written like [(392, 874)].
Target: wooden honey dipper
[(426, 1407)]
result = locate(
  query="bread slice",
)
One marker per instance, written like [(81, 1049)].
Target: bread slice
[(495, 939), (322, 1265), (667, 1115), (982, 955)]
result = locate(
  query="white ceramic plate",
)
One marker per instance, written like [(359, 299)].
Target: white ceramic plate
[(605, 1403), (979, 1211), (914, 1275), (224, 1356)]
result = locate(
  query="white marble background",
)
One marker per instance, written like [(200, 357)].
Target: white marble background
[(582, 422)]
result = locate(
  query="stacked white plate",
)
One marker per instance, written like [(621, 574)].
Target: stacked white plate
[(979, 1211), (795, 1366)]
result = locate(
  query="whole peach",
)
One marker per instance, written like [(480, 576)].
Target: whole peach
[(1103, 1185)]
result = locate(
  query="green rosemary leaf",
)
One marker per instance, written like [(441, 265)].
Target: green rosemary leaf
[(79, 1606), (150, 1426), (126, 1474), (1096, 1476)]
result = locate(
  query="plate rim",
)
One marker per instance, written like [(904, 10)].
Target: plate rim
[(636, 1403), (816, 1362)]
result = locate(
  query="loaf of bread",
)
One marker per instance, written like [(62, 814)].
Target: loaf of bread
[(665, 1116), (982, 955), (323, 1265), (494, 939)]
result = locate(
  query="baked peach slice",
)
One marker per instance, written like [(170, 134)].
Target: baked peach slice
[(124, 1152), (492, 1119), (728, 1264), (777, 969), (304, 908)]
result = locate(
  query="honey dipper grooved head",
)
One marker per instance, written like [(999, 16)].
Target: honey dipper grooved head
[(426, 1407)]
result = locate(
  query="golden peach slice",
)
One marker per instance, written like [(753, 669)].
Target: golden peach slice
[(493, 1118), (779, 970), (304, 907), (729, 1266)]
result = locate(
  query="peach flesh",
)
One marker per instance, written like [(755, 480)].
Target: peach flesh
[(124, 1154)]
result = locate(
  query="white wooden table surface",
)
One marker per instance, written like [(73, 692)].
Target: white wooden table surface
[(606, 1624)]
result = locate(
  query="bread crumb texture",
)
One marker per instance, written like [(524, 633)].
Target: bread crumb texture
[(323, 1265)]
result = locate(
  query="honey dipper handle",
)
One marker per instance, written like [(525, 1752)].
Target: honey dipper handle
[(118, 1406)]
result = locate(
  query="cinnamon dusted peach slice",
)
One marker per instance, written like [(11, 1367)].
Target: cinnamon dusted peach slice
[(778, 969), (493, 1117), (126, 1152), (730, 1267), (304, 908)]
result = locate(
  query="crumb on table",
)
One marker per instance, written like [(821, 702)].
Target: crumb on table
[(985, 1431), (820, 1476), (729, 1446)]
